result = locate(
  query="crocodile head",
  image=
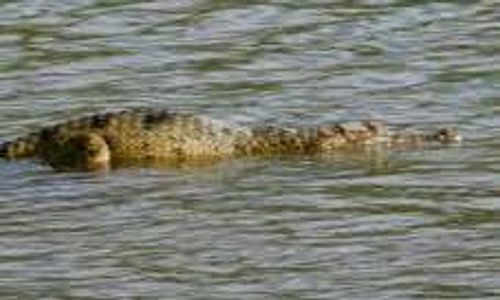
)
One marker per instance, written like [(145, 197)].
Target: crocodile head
[(446, 135), (82, 151)]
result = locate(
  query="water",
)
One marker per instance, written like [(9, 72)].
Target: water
[(405, 225)]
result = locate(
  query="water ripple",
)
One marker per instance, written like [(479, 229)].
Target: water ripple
[(401, 225)]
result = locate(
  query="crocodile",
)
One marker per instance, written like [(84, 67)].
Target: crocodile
[(147, 134)]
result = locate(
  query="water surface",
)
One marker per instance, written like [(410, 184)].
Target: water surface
[(403, 225)]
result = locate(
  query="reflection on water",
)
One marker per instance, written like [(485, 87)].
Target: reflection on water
[(402, 225)]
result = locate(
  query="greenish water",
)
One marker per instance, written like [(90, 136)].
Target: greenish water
[(406, 225)]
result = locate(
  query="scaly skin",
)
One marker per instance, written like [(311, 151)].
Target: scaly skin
[(96, 141)]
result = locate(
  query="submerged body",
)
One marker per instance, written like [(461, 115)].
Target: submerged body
[(95, 142)]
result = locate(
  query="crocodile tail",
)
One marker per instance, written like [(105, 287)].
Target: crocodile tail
[(20, 147)]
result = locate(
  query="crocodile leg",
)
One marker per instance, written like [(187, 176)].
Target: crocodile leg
[(81, 151)]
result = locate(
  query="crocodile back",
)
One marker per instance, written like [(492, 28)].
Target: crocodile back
[(166, 135), (136, 133)]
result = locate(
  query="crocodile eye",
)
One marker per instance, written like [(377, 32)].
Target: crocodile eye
[(99, 121), (378, 128), (441, 135), (448, 135)]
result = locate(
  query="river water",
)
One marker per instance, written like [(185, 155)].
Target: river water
[(421, 224)]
